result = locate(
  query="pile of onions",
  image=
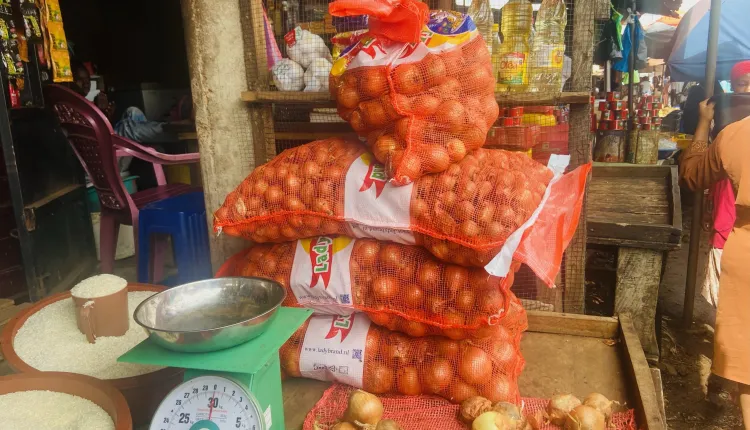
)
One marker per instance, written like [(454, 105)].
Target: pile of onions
[(567, 410), (423, 116), (364, 411), (455, 370), (401, 287), (462, 215)]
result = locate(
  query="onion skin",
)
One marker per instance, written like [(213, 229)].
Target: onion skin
[(560, 406), (585, 418), (388, 425), (364, 408), (600, 403), (344, 426), (473, 407), (512, 412)]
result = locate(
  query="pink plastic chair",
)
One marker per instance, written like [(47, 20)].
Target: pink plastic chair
[(90, 134)]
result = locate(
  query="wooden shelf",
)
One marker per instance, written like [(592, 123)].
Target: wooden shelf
[(323, 99)]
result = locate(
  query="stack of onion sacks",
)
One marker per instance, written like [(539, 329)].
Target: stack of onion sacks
[(456, 370), (400, 287)]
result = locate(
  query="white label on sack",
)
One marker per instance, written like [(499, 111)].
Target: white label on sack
[(376, 208), (500, 264), (320, 277), (334, 348)]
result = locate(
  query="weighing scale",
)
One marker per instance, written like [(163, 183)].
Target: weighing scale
[(235, 388)]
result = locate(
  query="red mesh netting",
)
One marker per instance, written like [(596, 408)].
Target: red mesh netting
[(400, 287), (423, 103), (424, 412), (396, 363), (463, 215)]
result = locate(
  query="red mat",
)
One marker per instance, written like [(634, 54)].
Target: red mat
[(423, 412)]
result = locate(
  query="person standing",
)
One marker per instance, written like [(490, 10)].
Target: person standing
[(728, 157)]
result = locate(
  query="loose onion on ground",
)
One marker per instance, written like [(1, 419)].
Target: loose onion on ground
[(473, 407), (600, 403), (560, 406), (363, 408), (584, 417)]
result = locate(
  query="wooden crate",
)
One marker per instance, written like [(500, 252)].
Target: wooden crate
[(564, 354), (634, 205)]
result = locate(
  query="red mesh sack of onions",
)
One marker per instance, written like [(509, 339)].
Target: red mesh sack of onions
[(462, 216), (422, 103), (400, 287), (351, 350)]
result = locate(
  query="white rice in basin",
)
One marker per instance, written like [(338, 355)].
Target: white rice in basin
[(98, 286), (50, 340), (49, 410)]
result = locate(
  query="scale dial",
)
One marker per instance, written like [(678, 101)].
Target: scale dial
[(208, 403)]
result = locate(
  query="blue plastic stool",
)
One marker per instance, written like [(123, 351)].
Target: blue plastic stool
[(182, 217)]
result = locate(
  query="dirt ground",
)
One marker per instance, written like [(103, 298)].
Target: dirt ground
[(686, 354)]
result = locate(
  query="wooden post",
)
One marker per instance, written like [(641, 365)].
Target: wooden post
[(579, 146), (637, 291), (222, 121)]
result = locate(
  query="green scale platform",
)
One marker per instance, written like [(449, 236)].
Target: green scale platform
[(235, 388)]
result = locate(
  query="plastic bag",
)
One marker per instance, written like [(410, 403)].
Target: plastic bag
[(422, 102), (400, 287), (288, 75), (303, 47), (316, 76), (350, 350), (463, 215)]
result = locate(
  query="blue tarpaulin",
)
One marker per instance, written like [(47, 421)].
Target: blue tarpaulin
[(687, 62)]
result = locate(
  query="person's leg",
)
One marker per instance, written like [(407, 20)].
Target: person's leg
[(745, 404)]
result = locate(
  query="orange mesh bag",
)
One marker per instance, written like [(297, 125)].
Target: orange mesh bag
[(400, 287), (423, 98), (351, 350), (466, 215), (427, 412)]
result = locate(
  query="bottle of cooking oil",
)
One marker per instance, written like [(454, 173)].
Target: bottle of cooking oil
[(548, 48), (514, 52), (496, 44), (480, 12)]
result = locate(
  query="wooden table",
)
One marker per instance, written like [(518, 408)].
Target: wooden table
[(564, 354), (637, 209)]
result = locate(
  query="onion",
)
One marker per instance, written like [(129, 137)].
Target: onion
[(429, 274), (485, 421), (473, 407), (456, 277), (364, 408), (600, 403), (407, 381), (378, 378), (585, 418), (388, 425), (437, 375), (447, 348), (474, 365), (413, 296), (367, 250), (397, 348), (372, 343), (385, 287), (458, 391), (560, 406), (465, 300), (497, 388), (512, 412)]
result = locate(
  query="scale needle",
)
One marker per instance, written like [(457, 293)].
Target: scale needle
[(211, 406)]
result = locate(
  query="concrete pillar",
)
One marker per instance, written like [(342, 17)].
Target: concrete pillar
[(218, 75)]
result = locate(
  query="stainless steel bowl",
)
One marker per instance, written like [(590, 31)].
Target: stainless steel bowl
[(210, 315)]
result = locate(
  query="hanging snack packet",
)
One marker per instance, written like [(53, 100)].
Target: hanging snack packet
[(417, 85)]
